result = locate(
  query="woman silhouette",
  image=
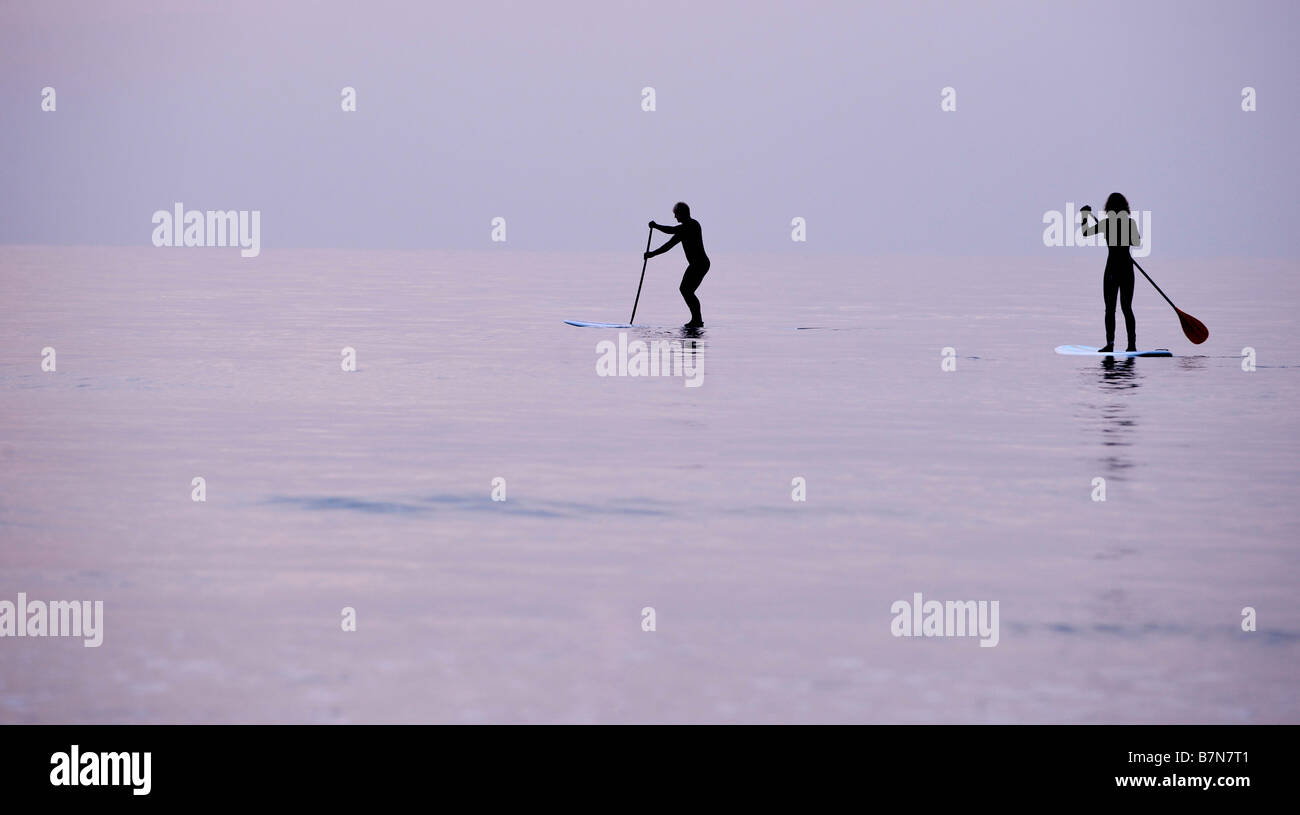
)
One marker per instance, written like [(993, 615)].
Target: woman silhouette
[(1121, 233)]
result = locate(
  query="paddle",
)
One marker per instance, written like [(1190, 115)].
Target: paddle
[(1192, 327), (645, 260)]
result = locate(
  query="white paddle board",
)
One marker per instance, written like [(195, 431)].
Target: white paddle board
[(1089, 351), (581, 324)]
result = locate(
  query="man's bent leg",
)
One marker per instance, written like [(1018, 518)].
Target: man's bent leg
[(691, 281)]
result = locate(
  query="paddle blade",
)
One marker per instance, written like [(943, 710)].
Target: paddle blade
[(1193, 328)]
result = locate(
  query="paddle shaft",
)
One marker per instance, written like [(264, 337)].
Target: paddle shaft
[(645, 260), (1153, 283)]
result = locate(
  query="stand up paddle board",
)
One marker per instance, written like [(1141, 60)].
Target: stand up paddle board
[(581, 324), (1088, 351)]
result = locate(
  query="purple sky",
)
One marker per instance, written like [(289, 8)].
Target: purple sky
[(766, 111)]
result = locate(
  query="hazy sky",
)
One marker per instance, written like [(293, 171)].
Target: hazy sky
[(765, 111)]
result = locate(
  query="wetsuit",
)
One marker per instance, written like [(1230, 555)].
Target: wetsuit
[(1121, 233), (689, 235)]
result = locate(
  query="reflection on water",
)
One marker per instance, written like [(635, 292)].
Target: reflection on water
[(374, 489), (1119, 375), (1118, 426), (538, 508), (657, 351), (691, 337)]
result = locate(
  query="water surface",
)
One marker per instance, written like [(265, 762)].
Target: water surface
[(372, 490)]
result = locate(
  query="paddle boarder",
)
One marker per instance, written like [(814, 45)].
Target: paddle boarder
[(688, 234), (1121, 233)]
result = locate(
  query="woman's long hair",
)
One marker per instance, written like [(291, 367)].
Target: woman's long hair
[(1117, 203)]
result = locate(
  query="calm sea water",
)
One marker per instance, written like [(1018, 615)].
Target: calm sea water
[(372, 490)]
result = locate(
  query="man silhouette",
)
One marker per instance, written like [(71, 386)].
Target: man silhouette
[(697, 263)]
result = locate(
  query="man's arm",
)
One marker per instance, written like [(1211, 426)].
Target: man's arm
[(676, 239), (671, 230)]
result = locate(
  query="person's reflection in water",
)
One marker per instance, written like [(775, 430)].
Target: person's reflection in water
[(677, 350), (1119, 374), (693, 350), (1118, 424), (693, 354)]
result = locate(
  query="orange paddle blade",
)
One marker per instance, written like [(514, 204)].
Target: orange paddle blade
[(1193, 328)]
